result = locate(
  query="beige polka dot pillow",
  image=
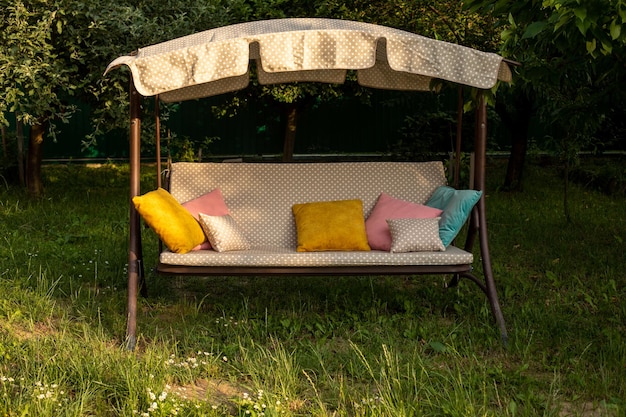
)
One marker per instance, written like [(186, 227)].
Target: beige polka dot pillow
[(223, 232), (415, 235)]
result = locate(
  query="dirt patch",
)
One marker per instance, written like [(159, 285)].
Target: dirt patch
[(39, 330), (223, 393), (587, 409), (218, 391)]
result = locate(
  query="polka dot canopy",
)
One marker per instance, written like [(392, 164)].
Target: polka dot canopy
[(217, 61)]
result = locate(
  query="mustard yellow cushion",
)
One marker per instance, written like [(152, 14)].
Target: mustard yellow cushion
[(174, 224), (330, 226)]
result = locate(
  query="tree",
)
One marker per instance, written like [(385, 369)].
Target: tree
[(439, 19), (290, 101), (572, 56), (34, 81), (107, 29), (445, 20), (54, 50)]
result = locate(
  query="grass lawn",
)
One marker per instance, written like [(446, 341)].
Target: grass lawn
[(318, 346)]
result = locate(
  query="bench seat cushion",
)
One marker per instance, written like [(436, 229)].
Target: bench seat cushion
[(278, 256)]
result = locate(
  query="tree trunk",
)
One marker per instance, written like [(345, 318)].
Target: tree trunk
[(35, 156), (5, 145), (517, 120), (570, 148), (517, 159), (566, 171), (19, 138), (290, 133)]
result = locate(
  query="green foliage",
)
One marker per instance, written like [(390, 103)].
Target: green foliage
[(184, 149), (599, 23), (279, 99), (35, 78), (425, 135), (572, 55), (53, 49), (109, 29), (444, 20), (71, 42), (609, 178)]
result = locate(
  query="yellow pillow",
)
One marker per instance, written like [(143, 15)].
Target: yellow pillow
[(330, 226), (174, 224)]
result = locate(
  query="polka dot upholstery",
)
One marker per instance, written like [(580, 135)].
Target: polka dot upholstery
[(223, 232), (260, 197), (415, 235), (277, 256), (305, 49)]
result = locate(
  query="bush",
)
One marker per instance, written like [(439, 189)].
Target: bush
[(597, 174)]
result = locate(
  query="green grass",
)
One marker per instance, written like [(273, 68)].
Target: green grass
[(320, 346)]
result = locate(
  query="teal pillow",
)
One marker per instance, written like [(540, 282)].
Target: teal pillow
[(440, 197), (457, 206)]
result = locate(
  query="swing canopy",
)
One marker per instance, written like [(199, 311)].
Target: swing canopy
[(219, 60)]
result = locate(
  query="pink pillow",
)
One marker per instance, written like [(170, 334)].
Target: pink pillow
[(387, 207), (211, 204), (206, 245)]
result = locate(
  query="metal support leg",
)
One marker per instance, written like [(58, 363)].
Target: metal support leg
[(135, 256), (480, 145)]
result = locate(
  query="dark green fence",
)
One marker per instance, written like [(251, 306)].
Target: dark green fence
[(344, 126)]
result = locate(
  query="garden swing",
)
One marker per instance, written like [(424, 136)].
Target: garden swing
[(255, 218)]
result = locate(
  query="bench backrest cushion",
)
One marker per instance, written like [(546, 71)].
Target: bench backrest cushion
[(260, 196)]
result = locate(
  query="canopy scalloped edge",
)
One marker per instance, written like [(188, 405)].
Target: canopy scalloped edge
[(217, 61)]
